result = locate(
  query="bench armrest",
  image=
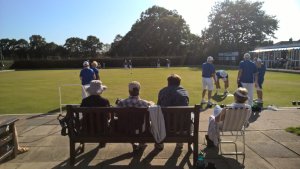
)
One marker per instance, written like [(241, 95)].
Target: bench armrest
[(8, 122)]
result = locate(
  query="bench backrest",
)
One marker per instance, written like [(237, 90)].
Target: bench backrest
[(93, 122)]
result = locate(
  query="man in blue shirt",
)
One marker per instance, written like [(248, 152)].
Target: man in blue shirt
[(247, 76), (208, 72), (86, 76), (222, 74), (261, 68)]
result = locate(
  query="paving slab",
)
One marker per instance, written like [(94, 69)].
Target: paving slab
[(284, 163), (271, 149)]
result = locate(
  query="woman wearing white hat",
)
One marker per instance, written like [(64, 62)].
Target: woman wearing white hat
[(217, 118), (96, 100)]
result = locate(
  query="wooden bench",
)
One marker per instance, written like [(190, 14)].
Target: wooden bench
[(8, 147), (89, 125)]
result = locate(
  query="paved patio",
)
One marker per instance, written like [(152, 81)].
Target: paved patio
[(268, 146)]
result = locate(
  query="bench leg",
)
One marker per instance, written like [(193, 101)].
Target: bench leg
[(72, 153), (195, 153)]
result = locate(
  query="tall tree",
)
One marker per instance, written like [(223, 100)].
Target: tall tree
[(92, 45), (8, 47), (158, 32), (74, 46), (238, 26), (37, 43), (21, 48)]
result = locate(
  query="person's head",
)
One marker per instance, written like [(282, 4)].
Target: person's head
[(247, 56), (210, 59), (258, 62), (241, 95), (174, 80), (86, 64), (134, 88), (96, 87), (94, 64)]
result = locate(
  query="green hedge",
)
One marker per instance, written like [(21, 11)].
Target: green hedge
[(109, 62)]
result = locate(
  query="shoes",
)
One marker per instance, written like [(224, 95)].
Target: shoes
[(209, 142), (22, 150)]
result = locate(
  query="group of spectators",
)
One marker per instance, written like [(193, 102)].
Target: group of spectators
[(171, 95)]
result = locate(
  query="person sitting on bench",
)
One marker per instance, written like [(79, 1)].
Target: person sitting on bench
[(134, 100)]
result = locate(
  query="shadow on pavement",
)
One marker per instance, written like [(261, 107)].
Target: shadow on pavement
[(221, 162), (254, 116), (84, 161), (219, 98)]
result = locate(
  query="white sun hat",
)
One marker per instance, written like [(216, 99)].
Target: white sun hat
[(96, 87)]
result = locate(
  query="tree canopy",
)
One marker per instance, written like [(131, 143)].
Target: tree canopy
[(158, 32), (238, 26)]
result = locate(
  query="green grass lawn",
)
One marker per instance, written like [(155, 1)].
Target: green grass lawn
[(37, 91), (295, 130)]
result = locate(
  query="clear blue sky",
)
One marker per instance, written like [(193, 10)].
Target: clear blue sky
[(57, 20)]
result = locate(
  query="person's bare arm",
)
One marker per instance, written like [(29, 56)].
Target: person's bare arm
[(221, 116), (239, 76)]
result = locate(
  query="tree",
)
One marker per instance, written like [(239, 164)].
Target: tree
[(8, 47), (238, 26), (37, 43), (92, 45), (158, 32), (74, 46), (21, 48)]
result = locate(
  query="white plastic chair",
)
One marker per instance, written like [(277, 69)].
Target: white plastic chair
[(234, 124)]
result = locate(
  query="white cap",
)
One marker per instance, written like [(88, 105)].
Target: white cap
[(247, 56), (86, 63), (210, 59)]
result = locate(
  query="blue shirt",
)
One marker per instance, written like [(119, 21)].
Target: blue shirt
[(261, 73), (87, 75), (96, 71), (208, 70), (248, 70)]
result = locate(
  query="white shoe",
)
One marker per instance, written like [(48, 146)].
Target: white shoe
[(203, 102)]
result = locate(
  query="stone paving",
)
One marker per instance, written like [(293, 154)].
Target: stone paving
[(268, 146)]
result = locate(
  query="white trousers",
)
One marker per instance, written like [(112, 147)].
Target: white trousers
[(84, 93), (249, 87)]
